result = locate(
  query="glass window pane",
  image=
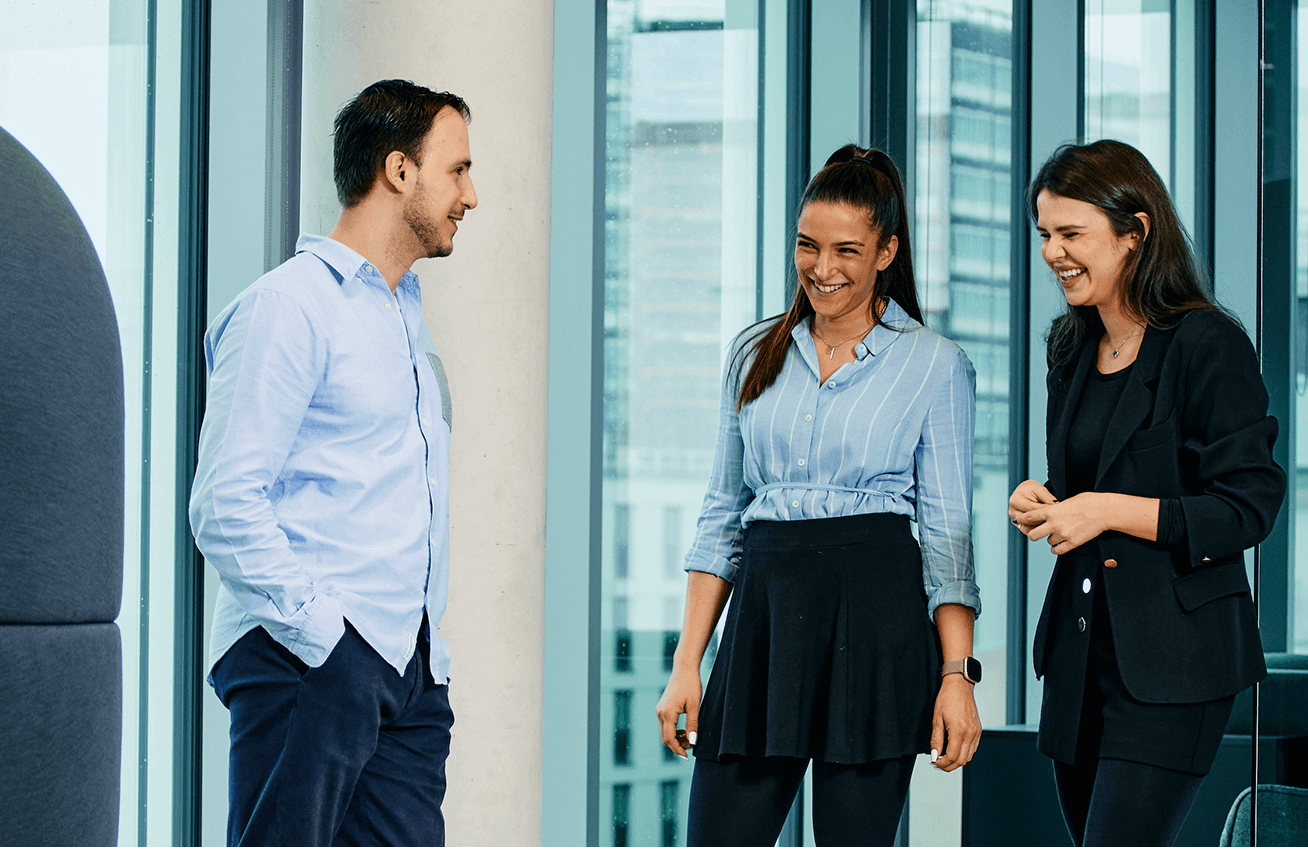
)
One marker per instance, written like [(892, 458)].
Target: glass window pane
[(963, 221), (1297, 498), (680, 280), (1128, 77), (73, 91), (962, 237)]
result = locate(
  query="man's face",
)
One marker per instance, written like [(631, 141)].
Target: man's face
[(443, 190)]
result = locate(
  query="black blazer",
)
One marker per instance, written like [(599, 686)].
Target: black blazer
[(1192, 424)]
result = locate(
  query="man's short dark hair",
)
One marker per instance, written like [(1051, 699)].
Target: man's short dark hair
[(390, 115)]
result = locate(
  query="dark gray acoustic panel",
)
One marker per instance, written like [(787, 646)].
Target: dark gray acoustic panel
[(61, 408), (60, 734)]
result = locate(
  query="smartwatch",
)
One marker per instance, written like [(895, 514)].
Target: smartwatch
[(969, 667)]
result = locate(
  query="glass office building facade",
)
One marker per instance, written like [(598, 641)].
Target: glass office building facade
[(705, 120)]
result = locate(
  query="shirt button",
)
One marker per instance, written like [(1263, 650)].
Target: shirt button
[(795, 504), (831, 384), (426, 421), (1080, 623), (1110, 563), (431, 480), (1085, 586), (808, 418), (388, 306), (801, 461), (367, 269)]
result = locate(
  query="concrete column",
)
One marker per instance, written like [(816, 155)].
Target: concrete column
[(487, 307)]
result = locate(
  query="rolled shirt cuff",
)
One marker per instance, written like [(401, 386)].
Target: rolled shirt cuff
[(954, 592), (717, 565)]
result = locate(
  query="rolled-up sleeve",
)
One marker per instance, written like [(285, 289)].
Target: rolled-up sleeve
[(719, 532), (943, 484), (265, 361)]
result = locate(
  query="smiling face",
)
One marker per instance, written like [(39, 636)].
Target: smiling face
[(443, 190), (1078, 243), (837, 259)]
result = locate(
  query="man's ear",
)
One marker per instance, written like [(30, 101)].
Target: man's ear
[(398, 172)]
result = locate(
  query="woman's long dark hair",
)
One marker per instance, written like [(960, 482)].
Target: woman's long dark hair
[(1161, 279), (863, 179)]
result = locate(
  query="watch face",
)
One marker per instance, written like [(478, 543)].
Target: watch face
[(972, 669)]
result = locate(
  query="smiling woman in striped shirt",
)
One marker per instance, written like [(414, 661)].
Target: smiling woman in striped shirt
[(847, 644)]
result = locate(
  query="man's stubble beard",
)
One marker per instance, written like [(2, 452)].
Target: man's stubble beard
[(425, 229)]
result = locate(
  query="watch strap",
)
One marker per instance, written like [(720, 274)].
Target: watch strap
[(959, 666)]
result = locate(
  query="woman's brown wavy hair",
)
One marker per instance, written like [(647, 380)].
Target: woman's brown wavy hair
[(865, 179)]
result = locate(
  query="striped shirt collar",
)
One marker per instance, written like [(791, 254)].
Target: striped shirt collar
[(894, 321)]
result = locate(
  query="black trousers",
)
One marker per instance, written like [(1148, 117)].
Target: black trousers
[(348, 753), (743, 801), (1119, 803)]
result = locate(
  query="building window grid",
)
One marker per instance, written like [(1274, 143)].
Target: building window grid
[(622, 727), (981, 139), (621, 813), (669, 803)]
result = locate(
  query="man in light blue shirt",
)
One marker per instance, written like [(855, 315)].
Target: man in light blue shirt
[(322, 499)]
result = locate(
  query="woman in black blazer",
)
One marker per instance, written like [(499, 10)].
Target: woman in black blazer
[(1160, 476)]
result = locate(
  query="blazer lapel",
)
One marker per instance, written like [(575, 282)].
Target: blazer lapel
[(1069, 392), (1137, 399)]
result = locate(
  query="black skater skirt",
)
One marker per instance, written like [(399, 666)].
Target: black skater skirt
[(828, 651)]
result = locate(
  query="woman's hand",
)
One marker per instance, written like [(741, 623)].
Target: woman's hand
[(1068, 523), (681, 696), (1028, 496), (1080, 519), (956, 726)]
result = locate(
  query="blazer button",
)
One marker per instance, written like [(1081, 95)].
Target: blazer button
[(1080, 623), (1110, 563)]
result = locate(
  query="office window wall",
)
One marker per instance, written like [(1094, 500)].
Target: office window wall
[(1297, 435), (79, 91), (680, 122), (1128, 76), (962, 229)]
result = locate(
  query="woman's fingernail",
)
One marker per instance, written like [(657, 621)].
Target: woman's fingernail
[(693, 737), (687, 758), (935, 754)]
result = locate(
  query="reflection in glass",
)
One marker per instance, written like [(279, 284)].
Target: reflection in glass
[(962, 234), (679, 282), (1298, 495), (1128, 77), (73, 91)]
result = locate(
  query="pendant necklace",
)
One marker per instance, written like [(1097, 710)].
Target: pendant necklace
[(831, 349), (1118, 347)]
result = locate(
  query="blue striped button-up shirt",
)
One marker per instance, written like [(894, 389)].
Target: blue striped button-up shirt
[(322, 492), (890, 432)]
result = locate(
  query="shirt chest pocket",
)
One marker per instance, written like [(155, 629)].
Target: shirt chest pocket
[(447, 406)]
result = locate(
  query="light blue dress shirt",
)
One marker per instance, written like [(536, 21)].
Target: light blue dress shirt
[(890, 432), (322, 492)]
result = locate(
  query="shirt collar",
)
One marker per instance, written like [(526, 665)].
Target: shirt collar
[(894, 321), (345, 261)]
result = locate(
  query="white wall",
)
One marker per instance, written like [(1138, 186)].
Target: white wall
[(487, 306)]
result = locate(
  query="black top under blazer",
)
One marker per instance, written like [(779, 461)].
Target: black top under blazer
[(1192, 424)]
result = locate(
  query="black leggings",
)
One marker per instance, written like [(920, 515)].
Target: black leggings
[(1114, 803), (744, 801)]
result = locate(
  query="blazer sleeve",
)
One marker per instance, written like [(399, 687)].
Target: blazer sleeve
[(1235, 487)]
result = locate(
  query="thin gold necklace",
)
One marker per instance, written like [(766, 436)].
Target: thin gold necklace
[(1118, 347), (831, 352)]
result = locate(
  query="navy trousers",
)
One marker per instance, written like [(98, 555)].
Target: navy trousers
[(348, 753)]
